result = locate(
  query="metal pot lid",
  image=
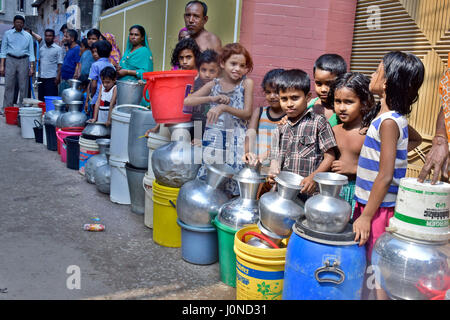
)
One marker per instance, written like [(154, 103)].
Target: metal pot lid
[(58, 102), (104, 142), (223, 170), (330, 178), (289, 179), (344, 238), (249, 174)]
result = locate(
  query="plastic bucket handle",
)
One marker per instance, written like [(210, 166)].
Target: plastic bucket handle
[(39, 125)]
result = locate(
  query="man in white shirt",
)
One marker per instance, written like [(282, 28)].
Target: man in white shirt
[(51, 57), (16, 61)]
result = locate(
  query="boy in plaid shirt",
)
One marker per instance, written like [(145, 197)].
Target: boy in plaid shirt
[(304, 144)]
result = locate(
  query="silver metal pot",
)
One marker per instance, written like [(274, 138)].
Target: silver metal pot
[(98, 160), (277, 210), (96, 130), (326, 211), (199, 201), (243, 210), (73, 117), (177, 162), (129, 92), (51, 116), (406, 264), (102, 177), (73, 93)]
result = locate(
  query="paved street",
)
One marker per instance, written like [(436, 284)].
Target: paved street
[(43, 247)]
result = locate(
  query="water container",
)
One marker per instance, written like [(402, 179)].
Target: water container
[(166, 231), (135, 176), (73, 152), (119, 131), (11, 114), (49, 102), (88, 149), (155, 141), (27, 117), (167, 90), (323, 266), (198, 245), (148, 188), (140, 122), (119, 191)]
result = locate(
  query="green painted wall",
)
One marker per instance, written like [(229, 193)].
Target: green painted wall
[(151, 15)]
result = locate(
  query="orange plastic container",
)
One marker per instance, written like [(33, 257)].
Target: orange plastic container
[(166, 91)]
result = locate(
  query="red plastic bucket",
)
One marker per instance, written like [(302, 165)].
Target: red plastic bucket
[(69, 129), (167, 90), (11, 115), (60, 135)]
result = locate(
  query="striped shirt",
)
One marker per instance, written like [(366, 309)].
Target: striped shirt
[(267, 124), (299, 147), (369, 160)]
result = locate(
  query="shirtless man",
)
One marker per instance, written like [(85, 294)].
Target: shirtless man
[(195, 19)]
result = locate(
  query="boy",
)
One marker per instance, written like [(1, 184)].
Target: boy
[(304, 144), (106, 97), (327, 69), (102, 49)]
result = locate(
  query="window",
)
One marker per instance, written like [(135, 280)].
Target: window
[(112, 3), (21, 5)]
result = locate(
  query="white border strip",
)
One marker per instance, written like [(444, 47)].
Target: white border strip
[(236, 21), (165, 36)]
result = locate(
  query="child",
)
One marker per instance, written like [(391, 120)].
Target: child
[(304, 144), (352, 104), (183, 33), (263, 121), (208, 69), (231, 98), (185, 55), (107, 97), (86, 60), (103, 49), (384, 155), (326, 69)]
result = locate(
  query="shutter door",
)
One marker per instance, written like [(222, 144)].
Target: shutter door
[(421, 27)]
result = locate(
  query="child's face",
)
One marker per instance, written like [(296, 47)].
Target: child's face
[(235, 67), (377, 81), (272, 97), (322, 82), (95, 54), (108, 83), (347, 105), (91, 40), (183, 35), (208, 71), (294, 103), (186, 59)]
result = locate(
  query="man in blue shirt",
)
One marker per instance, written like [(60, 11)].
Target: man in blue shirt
[(16, 61), (70, 60)]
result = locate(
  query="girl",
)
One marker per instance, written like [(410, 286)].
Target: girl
[(230, 97), (263, 121), (384, 155), (107, 97), (185, 55), (352, 103)]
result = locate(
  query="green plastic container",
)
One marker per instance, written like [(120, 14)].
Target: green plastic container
[(227, 257)]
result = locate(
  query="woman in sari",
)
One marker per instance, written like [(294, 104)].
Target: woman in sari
[(115, 56), (137, 58)]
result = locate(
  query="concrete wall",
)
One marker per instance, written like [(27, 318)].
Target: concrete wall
[(162, 19), (294, 33)]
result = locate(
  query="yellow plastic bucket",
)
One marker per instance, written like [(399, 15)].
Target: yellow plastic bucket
[(259, 271), (166, 231)]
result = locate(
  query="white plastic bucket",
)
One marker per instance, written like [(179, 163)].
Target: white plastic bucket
[(154, 141), (148, 187), (120, 121), (119, 192), (422, 210), (44, 134), (27, 117), (88, 148)]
